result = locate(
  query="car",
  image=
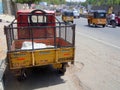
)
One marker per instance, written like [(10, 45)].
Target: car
[(76, 14), (117, 18)]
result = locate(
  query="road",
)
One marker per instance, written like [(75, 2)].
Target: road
[(97, 49), (97, 64)]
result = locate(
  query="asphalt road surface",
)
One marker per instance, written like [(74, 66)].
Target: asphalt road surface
[(98, 49), (97, 64)]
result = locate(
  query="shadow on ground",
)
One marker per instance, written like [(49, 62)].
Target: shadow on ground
[(38, 78)]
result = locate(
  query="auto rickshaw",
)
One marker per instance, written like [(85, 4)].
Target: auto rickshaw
[(97, 17), (58, 12), (67, 16)]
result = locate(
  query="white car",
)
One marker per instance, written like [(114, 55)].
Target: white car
[(76, 14)]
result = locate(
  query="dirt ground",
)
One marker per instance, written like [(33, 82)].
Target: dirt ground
[(3, 47)]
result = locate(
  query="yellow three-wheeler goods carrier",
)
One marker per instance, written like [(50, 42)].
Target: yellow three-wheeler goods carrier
[(36, 38)]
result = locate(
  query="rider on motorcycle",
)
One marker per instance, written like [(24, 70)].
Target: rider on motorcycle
[(112, 16), (111, 19)]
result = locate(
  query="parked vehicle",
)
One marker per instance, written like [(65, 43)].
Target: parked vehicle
[(58, 12), (35, 39), (76, 14), (117, 18), (97, 17), (67, 16)]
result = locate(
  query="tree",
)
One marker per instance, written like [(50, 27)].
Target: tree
[(13, 6), (103, 2), (27, 1), (35, 1)]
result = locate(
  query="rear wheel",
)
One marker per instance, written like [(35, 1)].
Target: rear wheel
[(22, 76), (88, 22), (95, 25), (63, 69), (113, 24), (103, 25), (72, 21)]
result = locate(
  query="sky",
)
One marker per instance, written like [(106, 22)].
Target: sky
[(76, 0)]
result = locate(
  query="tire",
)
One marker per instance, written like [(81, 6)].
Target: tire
[(113, 24), (72, 21), (95, 25), (63, 69), (103, 26), (88, 22), (22, 76)]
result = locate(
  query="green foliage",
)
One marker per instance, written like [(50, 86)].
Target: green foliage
[(48, 1), (103, 2), (26, 1)]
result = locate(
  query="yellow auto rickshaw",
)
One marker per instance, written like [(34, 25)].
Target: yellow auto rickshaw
[(67, 16), (97, 17)]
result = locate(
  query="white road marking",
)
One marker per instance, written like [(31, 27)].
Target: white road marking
[(98, 40)]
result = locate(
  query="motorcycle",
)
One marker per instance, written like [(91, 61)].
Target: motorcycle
[(113, 23)]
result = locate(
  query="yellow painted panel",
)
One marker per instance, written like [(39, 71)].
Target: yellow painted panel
[(20, 59), (99, 21), (24, 59), (65, 54), (68, 18), (44, 57)]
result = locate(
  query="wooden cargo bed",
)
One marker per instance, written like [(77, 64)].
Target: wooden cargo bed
[(17, 44)]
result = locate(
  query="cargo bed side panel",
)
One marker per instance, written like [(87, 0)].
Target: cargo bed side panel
[(66, 55), (20, 59), (44, 57)]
